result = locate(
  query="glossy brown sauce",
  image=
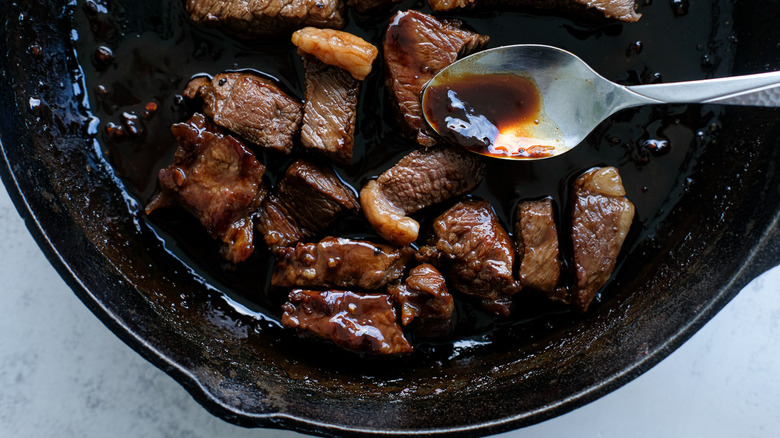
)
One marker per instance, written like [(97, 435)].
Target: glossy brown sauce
[(137, 58), (492, 114)]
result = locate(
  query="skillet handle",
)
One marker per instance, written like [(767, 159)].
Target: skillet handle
[(761, 89)]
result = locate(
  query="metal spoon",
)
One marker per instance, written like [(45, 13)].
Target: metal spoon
[(575, 99)]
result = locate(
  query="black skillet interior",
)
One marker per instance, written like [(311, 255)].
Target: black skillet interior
[(707, 214)]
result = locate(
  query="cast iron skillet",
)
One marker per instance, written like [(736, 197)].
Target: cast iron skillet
[(721, 234)]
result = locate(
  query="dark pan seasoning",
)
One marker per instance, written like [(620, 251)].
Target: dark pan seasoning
[(138, 61)]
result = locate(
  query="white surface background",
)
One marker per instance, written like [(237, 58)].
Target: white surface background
[(63, 374)]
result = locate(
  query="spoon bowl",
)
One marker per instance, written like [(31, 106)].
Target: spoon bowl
[(574, 99)]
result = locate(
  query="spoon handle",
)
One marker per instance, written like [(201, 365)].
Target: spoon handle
[(761, 89)]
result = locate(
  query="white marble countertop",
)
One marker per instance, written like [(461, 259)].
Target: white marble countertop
[(63, 374)]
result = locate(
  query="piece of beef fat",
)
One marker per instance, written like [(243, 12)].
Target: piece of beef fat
[(216, 178), (251, 106), (357, 322), (337, 48), (422, 178), (475, 253), (261, 18), (537, 243), (309, 198), (623, 10), (416, 47), (601, 219), (340, 262)]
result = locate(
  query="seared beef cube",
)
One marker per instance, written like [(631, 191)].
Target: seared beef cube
[(309, 199), (315, 196), (420, 179), (416, 47), (250, 106), (339, 262), (368, 6), (337, 48), (330, 112), (537, 243), (217, 179), (277, 225), (601, 219), (423, 295), (624, 10), (476, 254), (257, 18), (356, 322)]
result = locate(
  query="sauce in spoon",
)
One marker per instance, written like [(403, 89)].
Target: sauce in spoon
[(500, 115)]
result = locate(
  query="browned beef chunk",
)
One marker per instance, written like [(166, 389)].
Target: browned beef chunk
[(624, 10), (420, 179), (251, 106), (339, 262), (537, 243), (309, 199), (217, 179), (330, 111), (256, 18), (601, 219), (476, 254), (423, 295), (367, 6), (416, 47), (277, 225), (357, 322), (316, 195)]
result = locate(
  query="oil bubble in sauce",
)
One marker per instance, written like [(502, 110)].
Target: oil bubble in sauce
[(500, 115)]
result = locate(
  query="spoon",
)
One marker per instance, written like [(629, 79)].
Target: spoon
[(536, 101)]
